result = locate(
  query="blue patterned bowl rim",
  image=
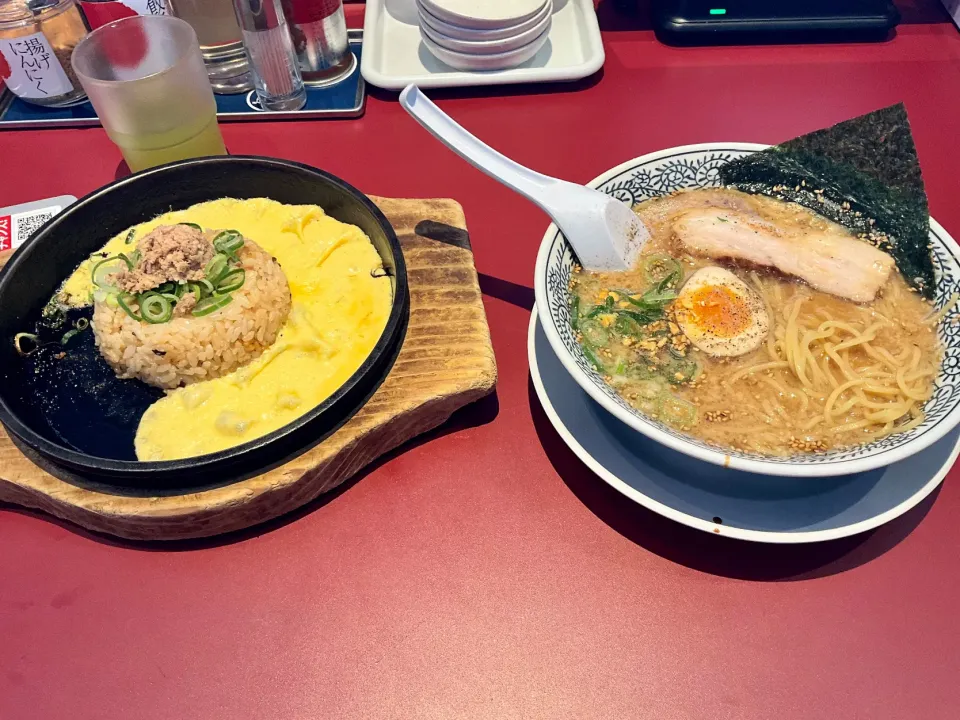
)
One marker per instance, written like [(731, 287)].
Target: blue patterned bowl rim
[(692, 166)]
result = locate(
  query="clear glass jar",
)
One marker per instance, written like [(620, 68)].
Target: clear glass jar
[(37, 38), (221, 42)]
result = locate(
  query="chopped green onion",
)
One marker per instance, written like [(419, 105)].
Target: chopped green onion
[(594, 333), (682, 371), (229, 241), (649, 396), (678, 412), (123, 300), (607, 307), (661, 270), (82, 324), (626, 325), (646, 316), (68, 335), (130, 236), (171, 297), (155, 308), (216, 268), (211, 304), (670, 281), (641, 372), (658, 268), (18, 343), (658, 296), (206, 288), (193, 225), (226, 236), (233, 280), (104, 269), (575, 313), (591, 357)]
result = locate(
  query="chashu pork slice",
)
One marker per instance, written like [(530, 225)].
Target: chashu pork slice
[(835, 263)]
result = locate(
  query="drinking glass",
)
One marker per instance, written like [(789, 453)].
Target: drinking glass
[(146, 79)]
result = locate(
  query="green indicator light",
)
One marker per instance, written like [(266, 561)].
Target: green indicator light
[(718, 11)]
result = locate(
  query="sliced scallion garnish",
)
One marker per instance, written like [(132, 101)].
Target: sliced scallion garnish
[(106, 268), (124, 300), (69, 334), (216, 268), (233, 280), (155, 308), (229, 241), (130, 236), (211, 304)]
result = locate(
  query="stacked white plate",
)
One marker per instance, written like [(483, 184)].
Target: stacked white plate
[(484, 34)]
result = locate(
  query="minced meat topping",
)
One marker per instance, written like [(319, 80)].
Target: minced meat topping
[(170, 253)]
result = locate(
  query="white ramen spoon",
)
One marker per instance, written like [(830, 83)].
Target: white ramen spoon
[(604, 232)]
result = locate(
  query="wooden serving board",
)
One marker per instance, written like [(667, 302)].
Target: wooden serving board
[(446, 362)]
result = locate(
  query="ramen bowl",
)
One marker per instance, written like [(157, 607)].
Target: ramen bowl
[(696, 166)]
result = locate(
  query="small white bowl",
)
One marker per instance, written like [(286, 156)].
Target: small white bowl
[(457, 32), (487, 47), (483, 14), (691, 166), (495, 61)]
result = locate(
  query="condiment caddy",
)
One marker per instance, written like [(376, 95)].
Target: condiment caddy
[(345, 99)]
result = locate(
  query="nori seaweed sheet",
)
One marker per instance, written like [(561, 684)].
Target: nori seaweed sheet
[(862, 173)]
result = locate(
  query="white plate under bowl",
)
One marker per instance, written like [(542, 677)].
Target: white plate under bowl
[(483, 14), (394, 54), (489, 47), (693, 166), (472, 35), (493, 61), (742, 505)]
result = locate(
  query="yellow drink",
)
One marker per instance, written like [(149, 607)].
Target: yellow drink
[(147, 150), (146, 79)]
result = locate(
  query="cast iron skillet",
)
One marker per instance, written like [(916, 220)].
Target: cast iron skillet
[(74, 412)]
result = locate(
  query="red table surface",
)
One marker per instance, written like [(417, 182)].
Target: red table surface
[(483, 572)]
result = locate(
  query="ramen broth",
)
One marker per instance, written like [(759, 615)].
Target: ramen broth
[(822, 372)]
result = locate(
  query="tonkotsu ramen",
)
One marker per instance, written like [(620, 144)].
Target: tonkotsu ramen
[(758, 325)]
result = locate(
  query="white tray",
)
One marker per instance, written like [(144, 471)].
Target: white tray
[(394, 56)]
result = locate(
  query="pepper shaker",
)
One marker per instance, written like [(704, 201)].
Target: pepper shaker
[(269, 47)]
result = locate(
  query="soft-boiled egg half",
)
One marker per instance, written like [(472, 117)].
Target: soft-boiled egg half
[(720, 314)]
